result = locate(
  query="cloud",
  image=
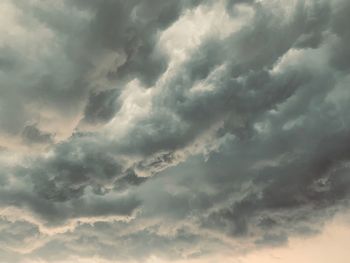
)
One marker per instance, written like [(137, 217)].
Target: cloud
[(32, 134), (101, 106), (228, 139)]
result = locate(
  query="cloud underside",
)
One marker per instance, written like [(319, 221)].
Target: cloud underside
[(179, 129)]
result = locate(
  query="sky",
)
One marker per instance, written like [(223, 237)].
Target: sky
[(185, 131)]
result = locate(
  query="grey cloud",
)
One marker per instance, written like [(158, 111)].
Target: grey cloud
[(101, 106), (31, 134), (132, 27), (13, 234), (51, 215), (241, 57), (271, 99), (113, 249), (8, 59), (71, 170), (117, 42), (341, 50)]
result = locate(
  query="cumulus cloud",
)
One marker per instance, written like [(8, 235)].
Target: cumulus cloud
[(135, 129)]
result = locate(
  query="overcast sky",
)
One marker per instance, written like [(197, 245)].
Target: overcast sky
[(174, 131)]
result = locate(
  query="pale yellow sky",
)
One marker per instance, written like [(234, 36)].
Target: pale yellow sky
[(331, 246)]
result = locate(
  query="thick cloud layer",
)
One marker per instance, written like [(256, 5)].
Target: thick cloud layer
[(176, 129)]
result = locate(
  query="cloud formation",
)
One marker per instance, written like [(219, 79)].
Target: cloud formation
[(175, 129)]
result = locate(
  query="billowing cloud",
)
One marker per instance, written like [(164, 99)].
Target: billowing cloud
[(132, 130)]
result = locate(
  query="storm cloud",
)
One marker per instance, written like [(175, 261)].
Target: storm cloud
[(175, 129)]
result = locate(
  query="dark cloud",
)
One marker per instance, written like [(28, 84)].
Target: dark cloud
[(74, 75), (132, 28), (247, 138), (31, 134), (101, 107), (71, 169), (338, 24)]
